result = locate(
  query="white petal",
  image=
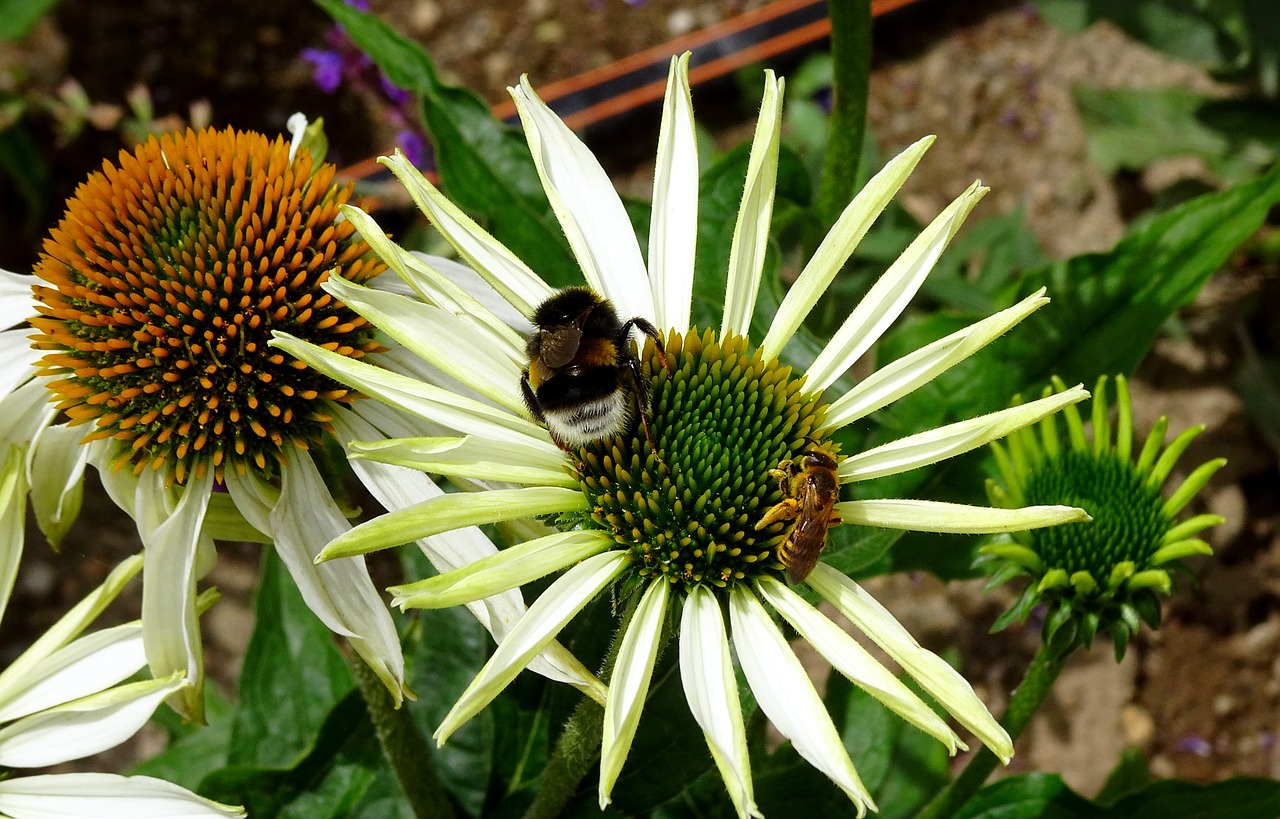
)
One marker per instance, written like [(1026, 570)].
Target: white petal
[(56, 472), (848, 657), (490, 258), (84, 727), (19, 675), (553, 609), (410, 395), (13, 518), (900, 377), (453, 511), (17, 358), (931, 672), (87, 665), (890, 295), (590, 212), (105, 796), (472, 457), (673, 227), (438, 337), (706, 672), (17, 303), (26, 411), (787, 697), (629, 687), (509, 569), (937, 516), (838, 246), (751, 232), (421, 266), (935, 445), (170, 626)]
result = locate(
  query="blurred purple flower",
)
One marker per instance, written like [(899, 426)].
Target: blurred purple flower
[(394, 93), (413, 146), (328, 67), (359, 5), (1194, 744)]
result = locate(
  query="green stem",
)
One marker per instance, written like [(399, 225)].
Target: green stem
[(403, 744), (575, 754), (1027, 699), (851, 58)]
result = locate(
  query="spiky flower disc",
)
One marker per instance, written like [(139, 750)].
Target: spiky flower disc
[(722, 417), (1101, 576), (167, 275)]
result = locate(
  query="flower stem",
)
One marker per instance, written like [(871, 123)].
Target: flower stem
[(403, 744), (851, 56), (575, 754), (1027, 699)]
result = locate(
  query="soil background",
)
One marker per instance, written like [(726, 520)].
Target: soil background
[(1199, 699)]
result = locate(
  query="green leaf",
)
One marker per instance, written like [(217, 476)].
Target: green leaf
[(1128, 776), (194, 752), (1237, 798), (485, 166), (293, 675), (18, 16), (1030, 796)]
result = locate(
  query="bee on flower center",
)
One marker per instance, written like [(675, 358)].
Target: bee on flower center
[(582, 368), (810, 490)]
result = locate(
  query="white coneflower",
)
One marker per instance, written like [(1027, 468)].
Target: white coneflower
[(674, 528)]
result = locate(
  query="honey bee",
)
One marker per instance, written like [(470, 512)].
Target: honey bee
[(581, 364), (810, 489)]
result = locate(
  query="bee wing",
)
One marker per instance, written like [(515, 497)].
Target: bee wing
[(560, 345)]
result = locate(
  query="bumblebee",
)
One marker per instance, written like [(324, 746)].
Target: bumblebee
[(581, 367), (810, 489)]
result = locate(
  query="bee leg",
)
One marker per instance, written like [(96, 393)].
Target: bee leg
[(783, 475), (834, 521), (531, 399), (787, 510), (649, 330)]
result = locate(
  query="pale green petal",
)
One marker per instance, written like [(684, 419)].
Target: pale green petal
[(56, 470), (848, 657), (170, 627), (751, 232), (890, 295), (468, 416), (483, 253), (84, 727), (436, 515), (673, 227), (17, 358), (554, 608), (931, 672), (13, 518), (86, 665), (936, 516), (839, 244), (105, 796), (511, 568), (587, 206), (21, 672), (935, 445), (438, 337), (710, 688), (787, 697), (629, 686), (894, 380), (470, 457)]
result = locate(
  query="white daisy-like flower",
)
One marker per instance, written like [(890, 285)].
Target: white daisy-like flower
[(66, 698), (677, 526), (151, 307)]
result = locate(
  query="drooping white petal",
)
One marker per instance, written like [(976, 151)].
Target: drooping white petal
[(890, 295), (509, 569), (471, 457), (453, 511), (56, 463), (87, 726), (788, 698), (396, 487), (935, 445), (17, 358), (519, 285), (931, 672), (706, 672), (105, 796), (673, 227), (438, 337), (937, 516), (839, 244), (629, 687), (26, 412), (20, 673), (13, 518), (751, 232), (587, 206), (904, 375), (848, 657), (553, 609), (17, 303), (170, 627), (87, 665), (458, 412)]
